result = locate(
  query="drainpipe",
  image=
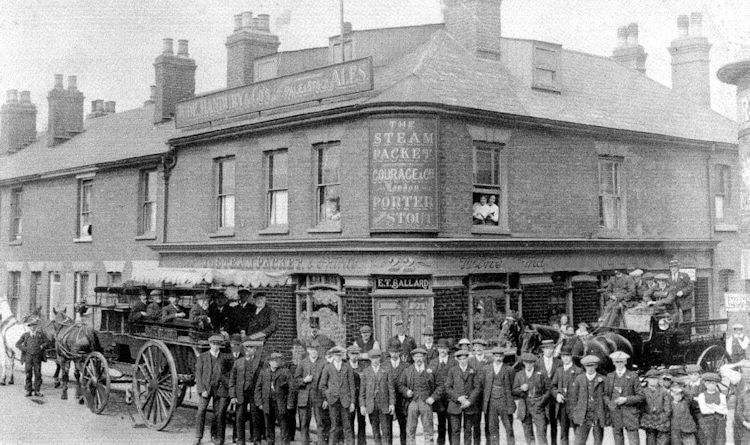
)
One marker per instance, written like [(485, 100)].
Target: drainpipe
[(711, 222), (168, 162)]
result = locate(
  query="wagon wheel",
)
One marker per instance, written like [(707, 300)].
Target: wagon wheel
[(155, 384), (96, 382), (712, 358)]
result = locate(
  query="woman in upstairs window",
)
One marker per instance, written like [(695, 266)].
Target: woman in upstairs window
[(481, 210), (494, 211), (330, 210)]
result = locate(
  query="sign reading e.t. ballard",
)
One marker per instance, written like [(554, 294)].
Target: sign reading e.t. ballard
[(403, 174), (330, 81)]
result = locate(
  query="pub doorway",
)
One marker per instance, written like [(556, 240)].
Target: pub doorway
[(415, 311)]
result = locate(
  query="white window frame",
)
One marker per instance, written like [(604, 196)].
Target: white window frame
[(147, 202), (334, 223), (16, 215), (722, 195), (551, 64), (498, 185), (223, 222), (273, 187), (84, 223), (616, 196)]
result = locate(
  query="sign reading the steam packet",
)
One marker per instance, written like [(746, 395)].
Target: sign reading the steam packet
[(317, 84), (403, 175)]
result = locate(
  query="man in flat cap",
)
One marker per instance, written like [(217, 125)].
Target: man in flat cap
[(212, 370), (737, 343), (396, 367), (337, 385), (353, 352), (405, 341), (586, 401), (309, 398), (622, 395), (683, 290), (242, 382), (463, 386), (440, 366), (465, 344), (428, 344), (419, 390), (549, 366), (712, 423), (274, 396), (377, 399), (198, 316), (562, 381), (32, 345), (366, 341), (498, 404), (532, 389), (478, 359), (153, 310)]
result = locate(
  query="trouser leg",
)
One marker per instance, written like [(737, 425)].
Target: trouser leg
[(37, 367), (662, 438), (455, 420), (386, 427), (528, 430), (270, 422), (322, 423), (258, 423), (428, 427), (284, 433), (634, 438), (540, 428), (565, 425), (472, 423), (375, 426), (401, 416), (200, 417), (581, 434), (240, 417), (336, 422), (617, 434), (220, 416), (347, 427), (552, 416), (29, 368), (412, 417), (305, 413), (492, 417), (598, 434)]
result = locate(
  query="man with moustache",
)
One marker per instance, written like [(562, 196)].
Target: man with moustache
[(498, 403), (377, 399), (440, 366), (242, 381), (417, 386), (309, 398), (337, 384), (562, 381), (396, 367)]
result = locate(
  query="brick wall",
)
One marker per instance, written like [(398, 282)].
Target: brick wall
[(282, 300), (357, 311), (700, 293), (450, 313), (585, 302), (536, 301)]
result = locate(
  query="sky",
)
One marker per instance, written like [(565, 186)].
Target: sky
[(111, 44)]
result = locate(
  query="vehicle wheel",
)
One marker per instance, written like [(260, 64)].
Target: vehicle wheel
[(712, 358), (155, 384), (96, 382)]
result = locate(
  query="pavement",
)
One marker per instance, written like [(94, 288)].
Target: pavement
[(49, 420)]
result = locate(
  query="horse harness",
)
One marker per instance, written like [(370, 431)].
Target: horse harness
[(63, 339)]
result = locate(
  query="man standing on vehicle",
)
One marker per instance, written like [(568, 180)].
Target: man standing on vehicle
[(212, 370), (683, 290), (622, 395)]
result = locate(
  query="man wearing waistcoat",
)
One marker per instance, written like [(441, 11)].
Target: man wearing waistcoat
[(377, 399), (440, 366), (337, 385), (32, 345), (212, 369), (242, 381), (498, 404), (548, 365), (562, 380), (417, 386), (623, 395), (309, 398)]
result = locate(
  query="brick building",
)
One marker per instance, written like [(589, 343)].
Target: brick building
[(441, 173)]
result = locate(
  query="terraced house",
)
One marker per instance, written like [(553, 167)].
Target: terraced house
[(440, 173)]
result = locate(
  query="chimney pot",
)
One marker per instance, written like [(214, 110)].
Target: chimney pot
[(264, 22), (622, 36), (152, 95), (683, 22), (26, 97), (255, 25), (347, 27), (12, 96), (167, 46), (247, 19), (182, 48), (696, 24), (93, 106), (109, 106), (237, 22), (72, 83), (633, 34), (58, 81)]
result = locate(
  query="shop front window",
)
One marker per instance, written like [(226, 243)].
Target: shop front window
[(321, 298)]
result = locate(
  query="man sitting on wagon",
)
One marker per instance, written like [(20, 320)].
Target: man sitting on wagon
[(199, 313), (139, 311), (663, 297), (153, 311), (620, 291), (171, 312)]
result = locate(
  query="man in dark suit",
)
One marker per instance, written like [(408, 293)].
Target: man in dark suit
[(321, 339), (532, 388), (353, 352), (561, 382), (337, 384), (242, 313), (219, 312), (395, 367), (138, 311), (417, 386), (212, 369), (274, 395), (498, 405), (463, 385), (683, 290), (309, 398), (264, 321), (428, 345), (377, 399), (242, 381), (405, 342), (586, 399), (440, 366), (549, 365), (32, 345), (623, 396)]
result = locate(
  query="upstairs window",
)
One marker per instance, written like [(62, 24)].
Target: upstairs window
[(16, 215), (14, 290), (84, 227), (147, 208), (327, 185), (722, 190), (114, 279), (611, 215), (546, 66), (277, 197), (487, 197), (224, 168)]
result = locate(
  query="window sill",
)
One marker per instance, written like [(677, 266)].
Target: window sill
[(15, 242), (325, 229), (275, 230), (610, 233), (488, 228), (87, 239), (146, 236), (723, 227), (222, 233)]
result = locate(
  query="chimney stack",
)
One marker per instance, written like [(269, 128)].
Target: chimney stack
[(65, 111), (690, 60), (101, 108), (628, 52), (253, 39), (175, 79), (17, 122), (475, 24), (109, 107)]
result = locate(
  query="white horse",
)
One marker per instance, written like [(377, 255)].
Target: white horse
[(11, 331)]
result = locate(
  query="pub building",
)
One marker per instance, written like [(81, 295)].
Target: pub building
[(441, 174)]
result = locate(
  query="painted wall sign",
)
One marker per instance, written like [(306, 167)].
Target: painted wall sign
[(330, 81), (736, 302), (402, 282), (403, 175)]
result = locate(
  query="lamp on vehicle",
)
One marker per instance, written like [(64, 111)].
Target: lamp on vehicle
[(664, 324)]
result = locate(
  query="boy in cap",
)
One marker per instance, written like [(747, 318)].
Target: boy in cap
[(549, 365), (212, 369), (657, 410), (586, 402), (242, 380), (353, 352), (497, 401), (366, 341), (464, 344), (440, 366), (682, 424), (418, 388), (532, 388), (737, 343), (463, 385), (623, 394), (396, 367), (405, 341), (274, 396), (562, 381), (377, 399), (712, 422), (235, 345), (337, 385), (309, 398), (32, 345)]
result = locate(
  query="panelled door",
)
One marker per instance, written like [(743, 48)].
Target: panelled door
[(415, 311)]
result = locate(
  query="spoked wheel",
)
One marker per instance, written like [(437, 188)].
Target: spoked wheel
[(96, 382), (713, 358), (155, 384)]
